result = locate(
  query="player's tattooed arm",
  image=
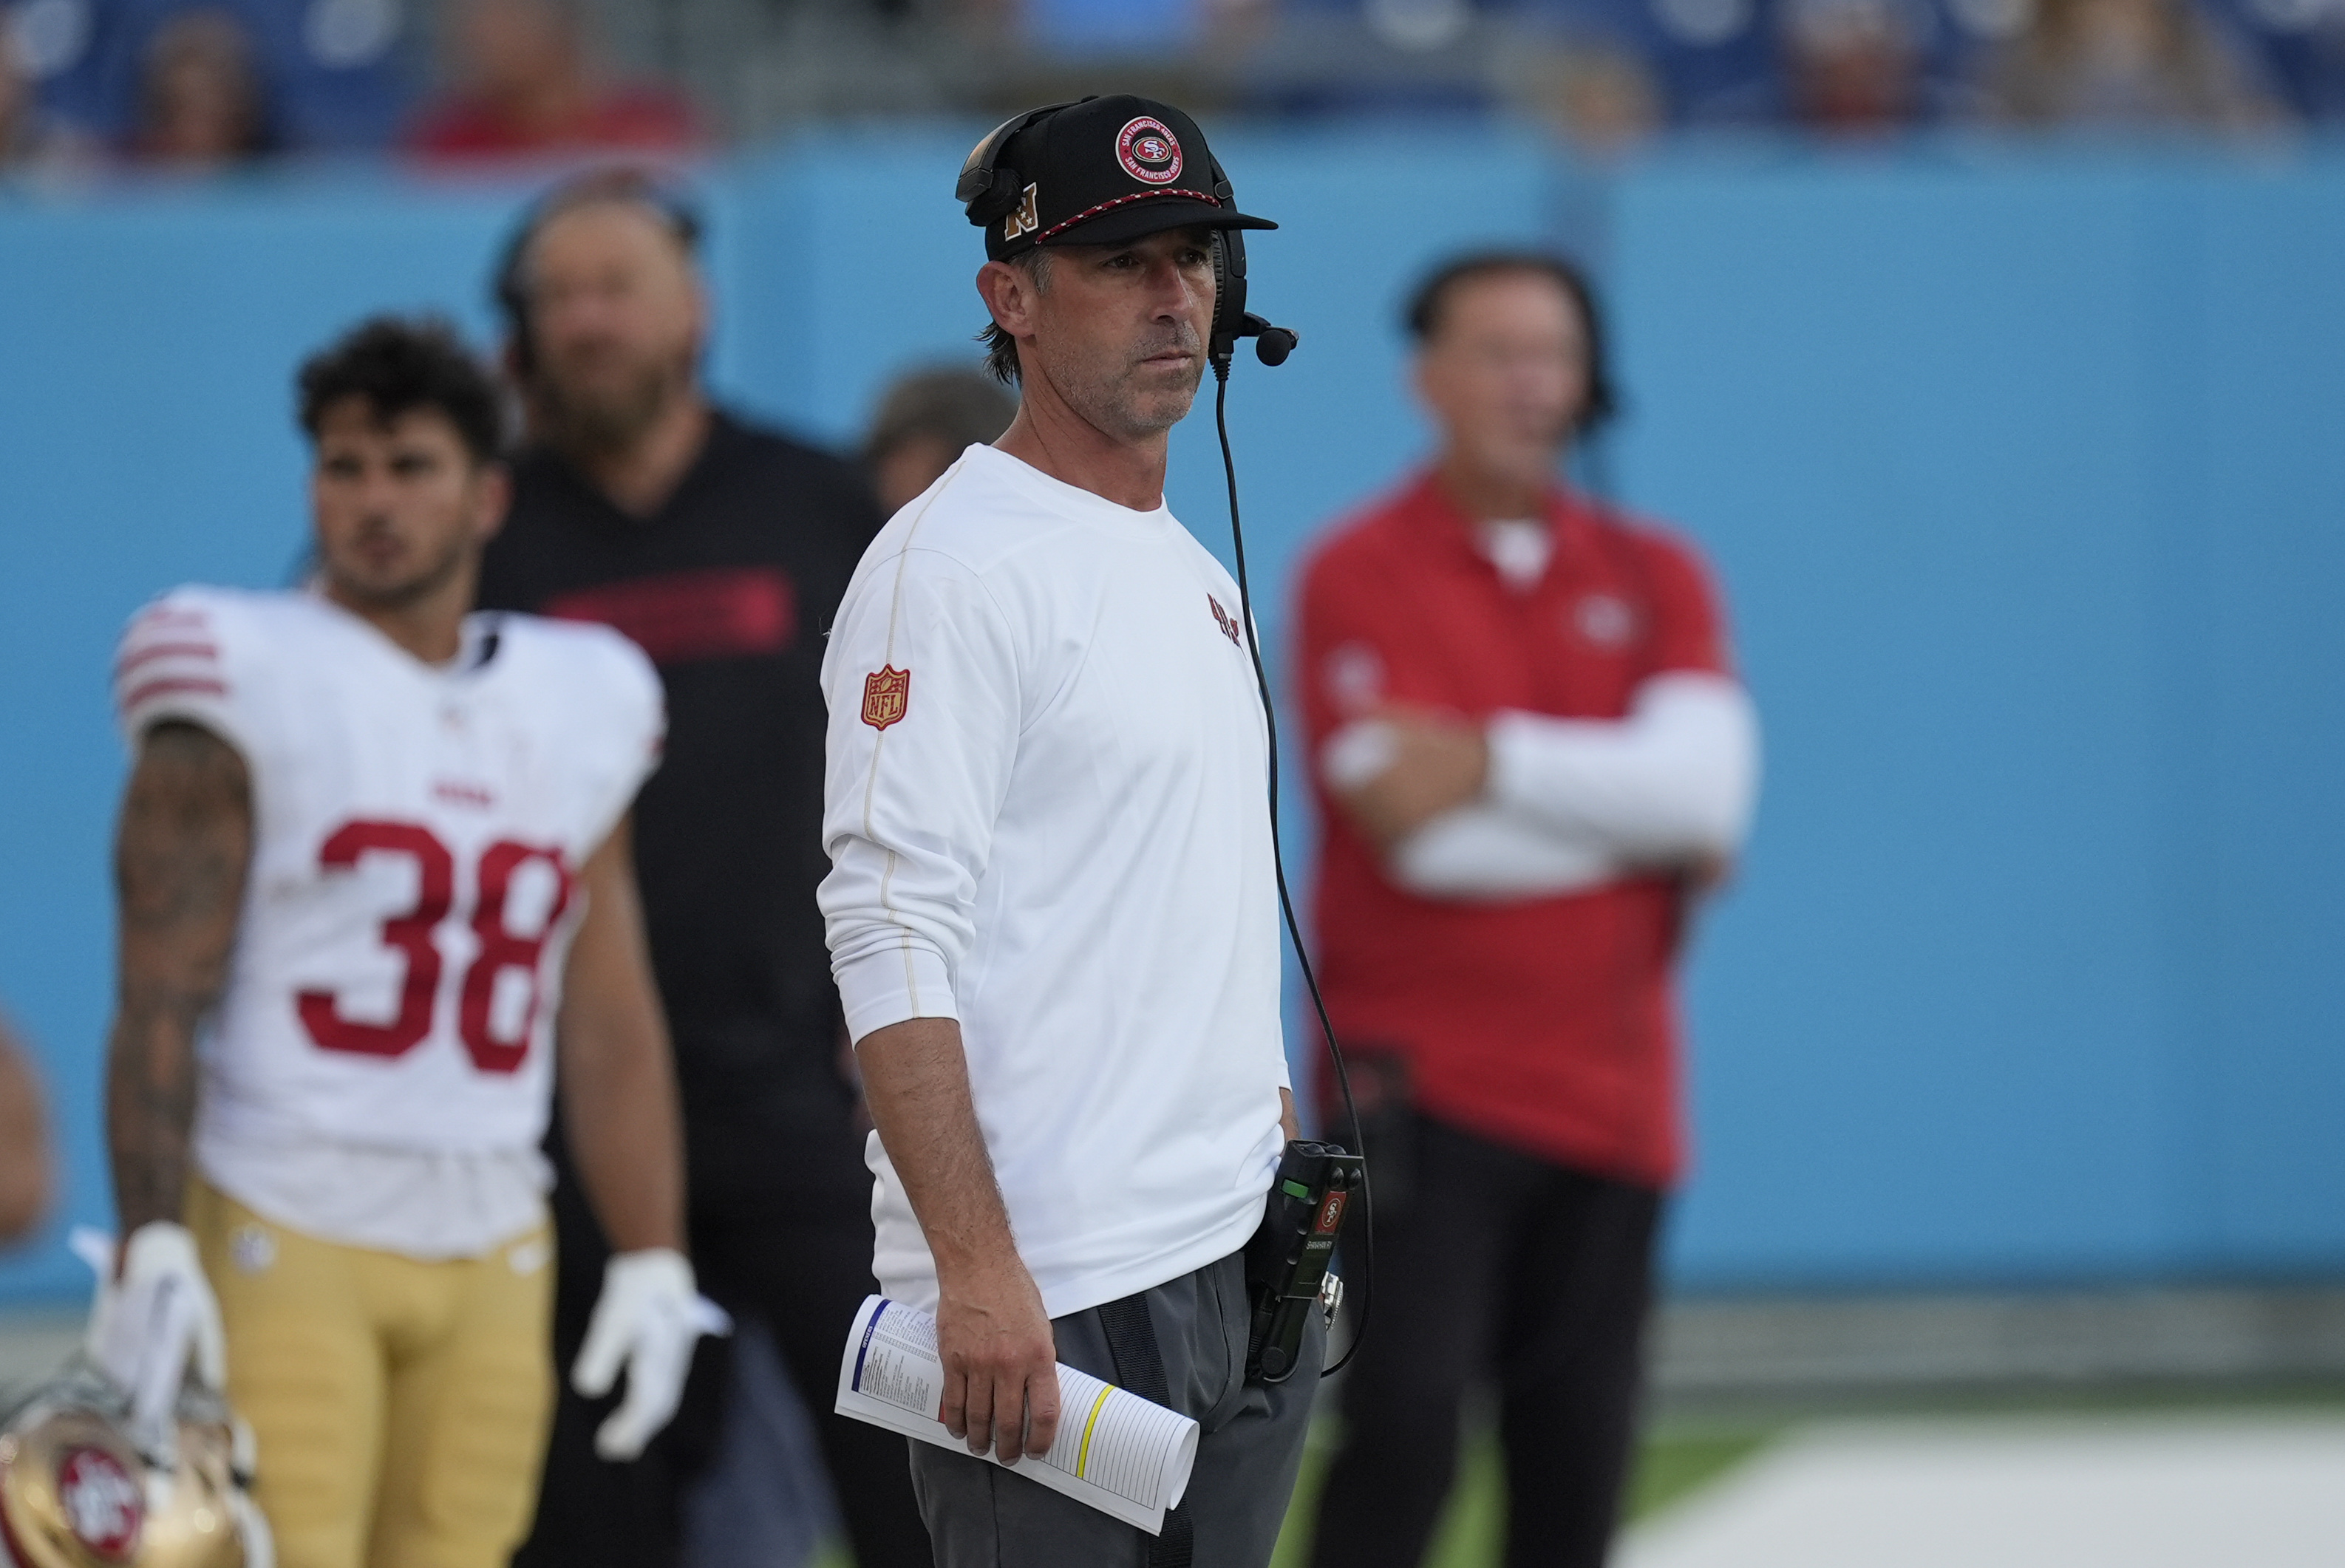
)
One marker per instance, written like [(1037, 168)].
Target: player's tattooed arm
[(181, 853)]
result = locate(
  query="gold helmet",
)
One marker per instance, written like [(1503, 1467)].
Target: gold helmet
[(77, 1492)]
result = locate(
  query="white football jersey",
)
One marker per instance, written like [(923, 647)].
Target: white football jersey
[(418, 831)]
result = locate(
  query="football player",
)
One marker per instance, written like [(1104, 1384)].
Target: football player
[(373, 874)]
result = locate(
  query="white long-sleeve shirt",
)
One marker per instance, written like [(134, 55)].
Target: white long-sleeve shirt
[(1045, 809)]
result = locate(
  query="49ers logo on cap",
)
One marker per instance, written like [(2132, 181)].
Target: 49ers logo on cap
[(102, 1504), (1148, 152), (887, 692)]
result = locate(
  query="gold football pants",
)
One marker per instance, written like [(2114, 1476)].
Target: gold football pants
[(401, 1406)]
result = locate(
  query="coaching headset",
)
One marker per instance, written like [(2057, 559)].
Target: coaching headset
[(1067, 185)]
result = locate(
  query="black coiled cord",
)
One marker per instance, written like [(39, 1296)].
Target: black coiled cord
[(1286, 899)]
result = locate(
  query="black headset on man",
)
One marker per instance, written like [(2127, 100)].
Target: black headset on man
[(1286, 1263), (989, 190)]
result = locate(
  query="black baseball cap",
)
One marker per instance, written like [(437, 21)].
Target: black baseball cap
[(1099, 171)]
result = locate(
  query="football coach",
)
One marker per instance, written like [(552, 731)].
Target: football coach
[(1050, 909)]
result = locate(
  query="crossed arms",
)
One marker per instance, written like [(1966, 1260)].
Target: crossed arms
[(1530, 805)]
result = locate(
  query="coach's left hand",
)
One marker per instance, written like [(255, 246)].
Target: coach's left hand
[(648, 1318)]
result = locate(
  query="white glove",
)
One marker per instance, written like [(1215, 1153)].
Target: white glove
[(647, 1318), (152, 1319)]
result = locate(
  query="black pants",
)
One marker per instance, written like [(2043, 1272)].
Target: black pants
[(803, 1270), (1492, 1263)]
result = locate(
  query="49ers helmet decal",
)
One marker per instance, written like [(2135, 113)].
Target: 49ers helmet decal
[(75, 1490)]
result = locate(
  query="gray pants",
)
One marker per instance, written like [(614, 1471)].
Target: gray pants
[(980, 1515)]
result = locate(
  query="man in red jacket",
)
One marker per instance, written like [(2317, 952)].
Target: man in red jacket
[(1531, 755)]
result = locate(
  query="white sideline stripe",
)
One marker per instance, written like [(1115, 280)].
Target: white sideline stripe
[(2151, 1491)]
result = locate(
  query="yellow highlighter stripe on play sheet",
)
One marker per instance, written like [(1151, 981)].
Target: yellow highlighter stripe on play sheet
[(1083, 1454)]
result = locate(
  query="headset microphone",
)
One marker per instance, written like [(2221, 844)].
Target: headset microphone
[(1272, 345), (1232, 319)]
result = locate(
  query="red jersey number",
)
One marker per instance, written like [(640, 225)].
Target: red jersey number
[(500, 950), (411, 934)]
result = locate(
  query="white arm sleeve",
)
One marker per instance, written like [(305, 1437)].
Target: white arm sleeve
[(1573, 803), (1677, 777), (1483, 851), (909, 800)]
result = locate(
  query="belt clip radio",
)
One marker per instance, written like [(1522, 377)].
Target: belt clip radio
[(1286, 1261)]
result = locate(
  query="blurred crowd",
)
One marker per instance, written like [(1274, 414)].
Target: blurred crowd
[(200, 85), (1624, 68)]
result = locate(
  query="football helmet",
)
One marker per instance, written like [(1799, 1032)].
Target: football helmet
[(76, 1490)]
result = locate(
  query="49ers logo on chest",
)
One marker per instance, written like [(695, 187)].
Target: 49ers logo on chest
[(887, 692), (1148, 151)]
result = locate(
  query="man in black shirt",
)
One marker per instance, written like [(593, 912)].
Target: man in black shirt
[(723, 550)]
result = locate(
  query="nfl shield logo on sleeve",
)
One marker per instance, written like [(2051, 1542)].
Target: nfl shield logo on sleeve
[(885, 692)]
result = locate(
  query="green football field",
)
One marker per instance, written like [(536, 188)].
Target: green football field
[(2151, 1477), (2249, 1477), (1673, 1459)]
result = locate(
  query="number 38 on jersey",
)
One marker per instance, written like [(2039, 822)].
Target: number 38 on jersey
[(417, 835), (518, 894)]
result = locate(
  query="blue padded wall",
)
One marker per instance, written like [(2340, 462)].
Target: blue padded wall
[(2023, 477)]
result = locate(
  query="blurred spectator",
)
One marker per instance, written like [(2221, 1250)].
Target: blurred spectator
[(926, 421), (1703, 62), (1598, 92), (2301, 46), (1839, 67), (1607, 98), (723, 550), (332, 75), (23, 1141), (528, 83), (2125, 63), (17, 109), (1531, 758), (1852, 66), (199, 95)]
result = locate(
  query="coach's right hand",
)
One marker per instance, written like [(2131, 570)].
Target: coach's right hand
[(1001, 1364)]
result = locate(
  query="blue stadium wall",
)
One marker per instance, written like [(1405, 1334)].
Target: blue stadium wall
[(2025, 476)]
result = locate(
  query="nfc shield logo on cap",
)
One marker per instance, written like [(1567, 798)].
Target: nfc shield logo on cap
[(1148, 151)]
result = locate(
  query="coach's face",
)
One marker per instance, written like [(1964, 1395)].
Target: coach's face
[(1504, 373), (616, 321), (400, 506), (1119, 330)]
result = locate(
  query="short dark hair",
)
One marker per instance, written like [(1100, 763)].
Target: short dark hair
[(956, 406), (1431, 301), (399, 366), (1000, 347)]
